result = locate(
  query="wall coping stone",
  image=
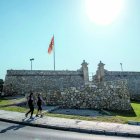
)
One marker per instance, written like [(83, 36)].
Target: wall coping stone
[(121, 73), (42, 73)]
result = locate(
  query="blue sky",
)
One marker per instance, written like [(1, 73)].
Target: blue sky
[(27, 26)]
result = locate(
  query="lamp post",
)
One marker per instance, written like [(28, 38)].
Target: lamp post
[(121, 66), (31, 62)]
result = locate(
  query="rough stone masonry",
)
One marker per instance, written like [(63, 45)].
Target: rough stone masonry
[(69, 89), (132, 78), (108, 95)]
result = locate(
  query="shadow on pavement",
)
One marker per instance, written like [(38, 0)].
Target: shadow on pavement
[(18, 126)]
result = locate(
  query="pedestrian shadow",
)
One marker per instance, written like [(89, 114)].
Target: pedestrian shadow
[(18, 126)]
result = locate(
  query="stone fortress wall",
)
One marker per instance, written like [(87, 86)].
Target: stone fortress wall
[(132, 78), (108, 95), (103, 92), (22, 81), (41, 81)]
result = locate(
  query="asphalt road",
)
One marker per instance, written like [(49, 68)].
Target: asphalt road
[(11, 131)]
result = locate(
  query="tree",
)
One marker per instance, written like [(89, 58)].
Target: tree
[(1, 84)]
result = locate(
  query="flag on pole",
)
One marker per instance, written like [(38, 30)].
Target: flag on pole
[(51, 45)]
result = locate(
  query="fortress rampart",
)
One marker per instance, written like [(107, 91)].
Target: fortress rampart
[(133, 79), (107, 95), (58, 86), (22, 81)]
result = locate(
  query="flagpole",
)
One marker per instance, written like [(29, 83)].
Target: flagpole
[(54, 56)]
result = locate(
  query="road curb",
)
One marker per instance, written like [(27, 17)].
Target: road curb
[(133, 123), (80, 130)]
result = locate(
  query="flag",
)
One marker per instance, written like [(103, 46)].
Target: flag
[(51, 45)]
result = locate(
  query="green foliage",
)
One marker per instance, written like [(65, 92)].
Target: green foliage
[(1, 85), (1, 82)]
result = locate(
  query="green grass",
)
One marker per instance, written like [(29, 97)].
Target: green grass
[(117, 117), (136, 108), (14, 108), (4, 101), (103, 119)]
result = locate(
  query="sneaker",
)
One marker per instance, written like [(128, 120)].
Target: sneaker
[(36, 115), (26, 115), (41, 115)]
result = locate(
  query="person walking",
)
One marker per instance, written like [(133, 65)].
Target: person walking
[(39, 105), (30, 101)]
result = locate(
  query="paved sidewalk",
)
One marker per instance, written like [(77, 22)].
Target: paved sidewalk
[(72, 125)]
